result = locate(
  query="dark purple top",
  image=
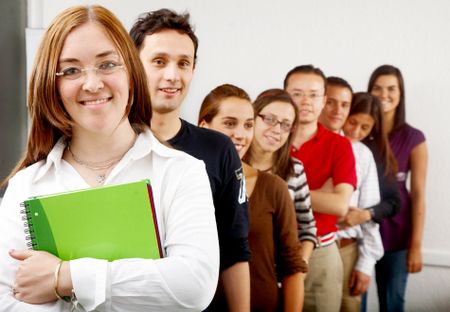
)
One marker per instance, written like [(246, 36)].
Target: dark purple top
[(396, 231)]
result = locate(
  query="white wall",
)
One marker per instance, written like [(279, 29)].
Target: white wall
[(254, 43)]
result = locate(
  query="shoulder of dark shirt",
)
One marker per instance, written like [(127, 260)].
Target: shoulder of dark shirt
[(407, 128), (210, 138)]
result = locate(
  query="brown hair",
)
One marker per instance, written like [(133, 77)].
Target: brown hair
[(49, 119), (385, 70), (211, 103), (365, 103), (283, 165), (155, 21)]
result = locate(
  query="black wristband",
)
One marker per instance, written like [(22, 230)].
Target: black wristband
[(372, 213)]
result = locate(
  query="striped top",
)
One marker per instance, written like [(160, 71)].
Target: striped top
[(299, 191)]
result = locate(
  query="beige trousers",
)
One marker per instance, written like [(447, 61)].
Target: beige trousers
[(323, 283), (349, 255)]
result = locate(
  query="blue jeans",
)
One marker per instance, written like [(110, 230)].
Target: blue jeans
[(363, 307), (392, 274)]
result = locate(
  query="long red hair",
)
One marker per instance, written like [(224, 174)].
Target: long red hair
[(49, 119)]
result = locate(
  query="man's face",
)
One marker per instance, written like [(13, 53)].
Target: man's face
[(308, 93), (336, 108), (168, 58)]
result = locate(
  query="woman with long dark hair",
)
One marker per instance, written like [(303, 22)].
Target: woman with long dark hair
[(365, 124), (402, 234)]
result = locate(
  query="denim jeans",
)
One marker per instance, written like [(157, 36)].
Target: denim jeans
[(392, 274), (363, 307)]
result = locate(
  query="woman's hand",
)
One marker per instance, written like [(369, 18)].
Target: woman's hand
[(356, 216), (414, 260), (35, 277)]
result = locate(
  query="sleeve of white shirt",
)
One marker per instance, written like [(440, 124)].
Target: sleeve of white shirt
[(370, 247), (185, 279)]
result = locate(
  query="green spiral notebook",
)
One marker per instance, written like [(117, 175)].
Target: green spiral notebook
[(109, 222)]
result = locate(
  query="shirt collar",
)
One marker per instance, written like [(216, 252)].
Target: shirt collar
[(146, 143), (320, 131), (53, 158)]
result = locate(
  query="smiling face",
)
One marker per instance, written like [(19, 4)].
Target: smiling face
[(271, 138), (96, 100), (337, 107), (235, 119), (168, 58), (307, 92), (358, 126), (387, 89)]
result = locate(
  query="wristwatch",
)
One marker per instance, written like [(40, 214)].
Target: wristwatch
[(372, 213)]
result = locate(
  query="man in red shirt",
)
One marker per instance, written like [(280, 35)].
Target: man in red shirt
[(330, 170)]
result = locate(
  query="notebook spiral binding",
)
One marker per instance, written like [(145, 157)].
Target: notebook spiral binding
[(29, 231)]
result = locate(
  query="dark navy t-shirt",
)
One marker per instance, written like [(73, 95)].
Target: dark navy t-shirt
[(226, 177)]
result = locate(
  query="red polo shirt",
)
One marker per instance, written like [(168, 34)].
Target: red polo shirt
[(326, 155)]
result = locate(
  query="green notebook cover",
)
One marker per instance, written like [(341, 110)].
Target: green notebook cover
[(109, 222)]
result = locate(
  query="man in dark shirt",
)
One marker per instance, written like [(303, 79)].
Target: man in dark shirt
[(168, 49)]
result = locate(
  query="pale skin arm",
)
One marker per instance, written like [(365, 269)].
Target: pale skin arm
[(334, 202), (293, 292), (236, 284), (419, 159), (36, 276), (307, 248)]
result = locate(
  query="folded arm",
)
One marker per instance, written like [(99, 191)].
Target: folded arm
[(334, 202)]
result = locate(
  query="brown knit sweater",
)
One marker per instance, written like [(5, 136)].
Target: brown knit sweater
[(273, 240)]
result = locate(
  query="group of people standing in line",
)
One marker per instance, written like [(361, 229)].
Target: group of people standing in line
[(289, 204)]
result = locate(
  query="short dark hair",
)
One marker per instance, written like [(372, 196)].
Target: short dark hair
[(155, 21), (386, 70), (305, 69), (339, 82)]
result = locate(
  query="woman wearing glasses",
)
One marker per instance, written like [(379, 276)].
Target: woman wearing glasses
[(91, 111), (275, 117), (273, 234)]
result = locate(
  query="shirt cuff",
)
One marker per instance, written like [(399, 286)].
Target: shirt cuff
[(89, 281), (365, 266)]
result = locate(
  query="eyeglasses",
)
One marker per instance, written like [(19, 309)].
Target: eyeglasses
[(312, 96), (272, 121), (75, 72)]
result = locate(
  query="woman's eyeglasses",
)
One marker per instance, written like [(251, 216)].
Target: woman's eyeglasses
[(272, 121), (75, 72)]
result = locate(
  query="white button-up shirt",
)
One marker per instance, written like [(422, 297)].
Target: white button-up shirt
[(367, 194), (185, 279)]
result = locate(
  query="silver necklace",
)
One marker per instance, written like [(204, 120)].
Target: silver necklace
[(96, 166)]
